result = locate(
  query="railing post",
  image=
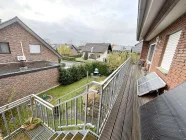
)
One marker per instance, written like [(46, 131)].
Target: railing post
[(76, 111), (31, 105), (59, 112), (66, 113), (86, 104), (6, 124), (53, 117), (100, 106)]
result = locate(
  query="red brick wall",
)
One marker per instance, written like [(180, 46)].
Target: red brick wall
[(177, 72), (31, 83), (73, 51), (13, 34), (144, 51)]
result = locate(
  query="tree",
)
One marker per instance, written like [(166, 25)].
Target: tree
[(116, 59), (64, 50)]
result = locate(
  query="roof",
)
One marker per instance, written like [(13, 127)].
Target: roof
[(97, 47), (16, 19), (80, 47), (118, 48), (72, 46), (164, 117), (154, 16)]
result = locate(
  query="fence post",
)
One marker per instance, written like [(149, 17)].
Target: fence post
[(86, 104), (100, 106)]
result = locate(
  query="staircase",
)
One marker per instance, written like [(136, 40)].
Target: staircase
[(75, 135), (39, 133), (43, 133)]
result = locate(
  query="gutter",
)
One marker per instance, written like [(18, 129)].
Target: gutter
[(141, 11)]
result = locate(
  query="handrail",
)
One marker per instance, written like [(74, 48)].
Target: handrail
[(82, 94), (14, 103), (73, 91), (41, 100), (115, 71)]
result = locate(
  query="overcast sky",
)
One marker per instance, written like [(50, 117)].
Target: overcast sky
[(76, 21)]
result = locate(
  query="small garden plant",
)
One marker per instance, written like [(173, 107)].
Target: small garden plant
[(31, 123)]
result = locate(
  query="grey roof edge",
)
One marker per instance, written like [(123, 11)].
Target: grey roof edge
[(73, 46), (88, 46), (141, 11), (16, 19)]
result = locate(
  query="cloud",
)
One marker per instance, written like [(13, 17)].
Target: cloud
[(77, 21)]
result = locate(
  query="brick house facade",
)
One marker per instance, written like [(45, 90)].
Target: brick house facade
[(18, 86), (16, 83), (177, 72), (13, 34)]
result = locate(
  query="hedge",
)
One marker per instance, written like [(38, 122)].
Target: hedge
[(75, 73), (76, 56), (68, 58)]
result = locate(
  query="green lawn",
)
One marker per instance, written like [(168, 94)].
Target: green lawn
[(64, 89)]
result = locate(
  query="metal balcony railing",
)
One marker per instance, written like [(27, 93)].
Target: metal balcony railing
[(88, 110)]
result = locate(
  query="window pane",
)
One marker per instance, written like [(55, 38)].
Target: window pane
[(151, 50), (35, 49), (4, 48)]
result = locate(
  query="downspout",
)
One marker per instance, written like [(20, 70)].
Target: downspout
[(22, 49)]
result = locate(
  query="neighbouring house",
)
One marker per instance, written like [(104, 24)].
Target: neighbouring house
[(128, 49), (118, 49), (80, 48), (73, 49), (28, 64), (137, 48), (97, 51), (162, 28)]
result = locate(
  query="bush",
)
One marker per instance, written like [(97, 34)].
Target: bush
[(85, 57), (69, 58), (115, 59), (75, 73), (62, 64)]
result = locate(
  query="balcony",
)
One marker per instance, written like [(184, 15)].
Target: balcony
[(110, 112)]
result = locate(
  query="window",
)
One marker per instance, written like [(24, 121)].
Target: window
[(150, 53), (4, 48), (35, 49), (170, 50)]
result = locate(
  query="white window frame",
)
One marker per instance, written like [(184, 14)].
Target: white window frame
[(8, 47), (149, 62), (164, 69), (36, 51)]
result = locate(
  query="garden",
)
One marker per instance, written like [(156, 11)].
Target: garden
[(76, 76)]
